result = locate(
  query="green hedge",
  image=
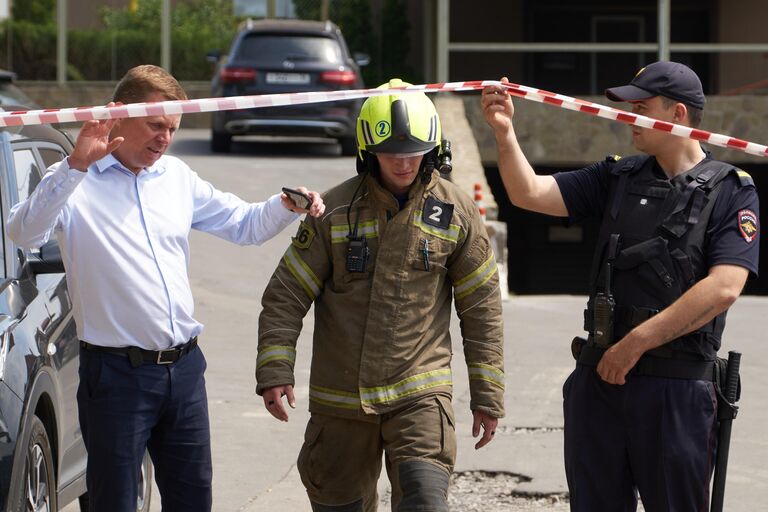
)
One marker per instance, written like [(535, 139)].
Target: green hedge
[(105, 55)]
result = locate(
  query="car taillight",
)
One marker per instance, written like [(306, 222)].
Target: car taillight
[(236, 75), (338, 77)]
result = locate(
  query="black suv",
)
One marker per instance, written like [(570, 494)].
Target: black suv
[(286, 56), (42, 456)]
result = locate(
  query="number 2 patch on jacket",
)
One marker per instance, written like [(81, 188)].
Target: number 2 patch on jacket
[(304, 236), (437, 213)]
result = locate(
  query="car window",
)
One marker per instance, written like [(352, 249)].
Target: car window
[(51, 156), (279, 48), (27, 172), (12, 95)]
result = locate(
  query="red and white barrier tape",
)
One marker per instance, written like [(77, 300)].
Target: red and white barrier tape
[(80, 114), (622, 116)]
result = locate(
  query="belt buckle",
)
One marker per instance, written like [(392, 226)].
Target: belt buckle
[(160, 356)]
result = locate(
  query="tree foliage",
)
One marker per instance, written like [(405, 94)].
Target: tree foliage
[(395, 42), (41, 12), (386, 40)]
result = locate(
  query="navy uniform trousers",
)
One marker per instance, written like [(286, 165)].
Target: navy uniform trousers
[(125, 411), (652, 435)]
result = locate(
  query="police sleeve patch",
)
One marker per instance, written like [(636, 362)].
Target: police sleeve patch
[(436, 213), (747, 224), (304, 236)]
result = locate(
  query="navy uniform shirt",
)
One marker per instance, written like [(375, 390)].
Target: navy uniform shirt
[(730, 239)]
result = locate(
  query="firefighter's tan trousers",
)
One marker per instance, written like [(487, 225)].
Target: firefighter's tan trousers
[(340, 460)]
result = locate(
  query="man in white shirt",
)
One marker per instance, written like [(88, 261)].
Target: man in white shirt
[(122, 211)]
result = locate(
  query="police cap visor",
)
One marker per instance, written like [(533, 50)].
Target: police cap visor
[(669, 79)]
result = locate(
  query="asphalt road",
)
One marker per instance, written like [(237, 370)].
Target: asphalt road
[(254, 455)]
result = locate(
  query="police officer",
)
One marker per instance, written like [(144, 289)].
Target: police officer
[(381, 267), (678, 239)]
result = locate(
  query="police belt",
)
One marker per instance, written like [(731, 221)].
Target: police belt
[(651, 366), (139, 355)]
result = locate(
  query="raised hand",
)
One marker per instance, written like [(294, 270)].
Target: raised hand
[(497, 107), (93, 142)]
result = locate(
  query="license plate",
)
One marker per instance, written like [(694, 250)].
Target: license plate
[(287, 78)]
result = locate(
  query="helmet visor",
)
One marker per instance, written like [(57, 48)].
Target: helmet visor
[(403, 155)]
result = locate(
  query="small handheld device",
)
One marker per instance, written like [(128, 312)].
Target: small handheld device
[(604, 304), (357, 255), (301, 199)]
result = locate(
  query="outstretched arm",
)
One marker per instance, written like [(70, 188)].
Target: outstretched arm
[(525, 188), (31, 222)]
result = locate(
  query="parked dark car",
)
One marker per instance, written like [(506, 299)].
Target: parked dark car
[(42, 456), (286, 56)]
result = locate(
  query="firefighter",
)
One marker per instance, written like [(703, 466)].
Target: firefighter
[(678, 240), (397, 242)]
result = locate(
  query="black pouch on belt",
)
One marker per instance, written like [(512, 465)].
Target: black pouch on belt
[(576, 346)]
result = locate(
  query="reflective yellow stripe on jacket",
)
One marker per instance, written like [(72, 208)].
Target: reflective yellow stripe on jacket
[(451, 234), (381, 394), (367, 229), (334, 398), (303, 274), (474, 280), (479, 371), (276, 353), (406, 387)]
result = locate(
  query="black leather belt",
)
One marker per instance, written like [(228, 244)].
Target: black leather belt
[(656, 366), (139, 355)]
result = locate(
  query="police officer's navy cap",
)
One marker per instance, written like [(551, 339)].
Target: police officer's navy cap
[(664, 78)]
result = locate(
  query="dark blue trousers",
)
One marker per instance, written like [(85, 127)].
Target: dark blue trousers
[(653, 436), (126, 410)]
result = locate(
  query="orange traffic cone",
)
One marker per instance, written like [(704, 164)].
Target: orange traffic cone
[(479, 200)]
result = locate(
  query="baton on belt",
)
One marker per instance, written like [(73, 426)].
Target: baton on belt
[(726, 415)]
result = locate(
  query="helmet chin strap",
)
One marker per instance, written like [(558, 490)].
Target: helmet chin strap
[(428, 164), (366, 162)]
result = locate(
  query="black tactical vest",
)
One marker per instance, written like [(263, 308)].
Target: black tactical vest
[(662, 227)]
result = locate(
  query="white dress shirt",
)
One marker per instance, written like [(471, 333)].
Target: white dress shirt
[(124, 239)]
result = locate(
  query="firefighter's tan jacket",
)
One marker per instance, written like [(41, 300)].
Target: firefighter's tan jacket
[(381, 336)]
